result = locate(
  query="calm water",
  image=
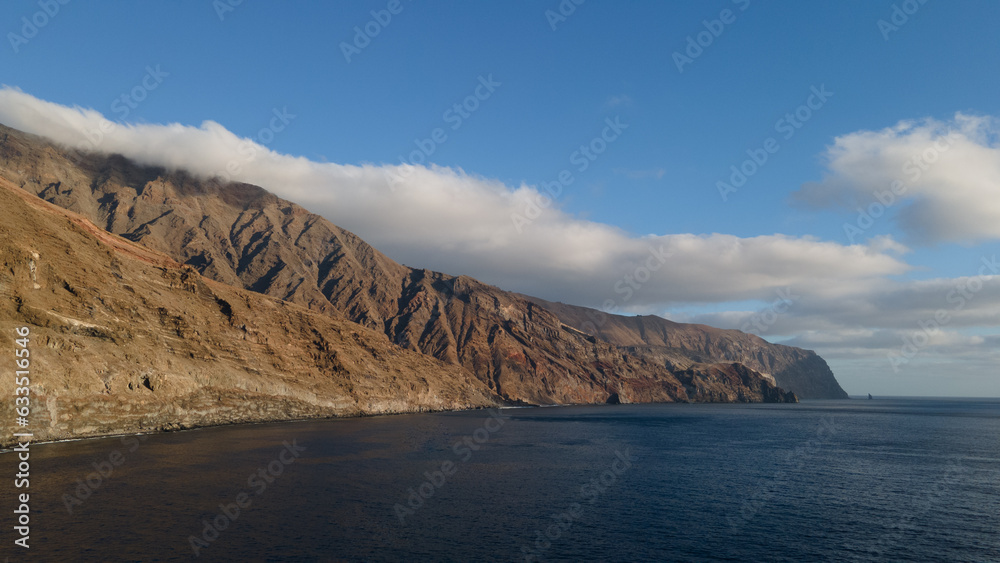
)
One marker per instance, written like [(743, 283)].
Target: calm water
[(885, 480)]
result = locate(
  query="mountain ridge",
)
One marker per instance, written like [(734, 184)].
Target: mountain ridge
[(125, 339), (798, 369), (244, 236)]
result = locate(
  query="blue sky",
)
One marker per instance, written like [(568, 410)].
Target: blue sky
[(556, 89)]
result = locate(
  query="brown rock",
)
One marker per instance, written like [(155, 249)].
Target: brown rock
[(522, 349), (124, 339)]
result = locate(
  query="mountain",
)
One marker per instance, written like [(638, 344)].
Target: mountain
[(125, 339), (801, 371), (523, 350)]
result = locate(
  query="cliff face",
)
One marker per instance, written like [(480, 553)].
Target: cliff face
[(794, 369), (520, 349), (124, 339)]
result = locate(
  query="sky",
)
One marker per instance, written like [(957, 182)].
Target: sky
[(823, 174)]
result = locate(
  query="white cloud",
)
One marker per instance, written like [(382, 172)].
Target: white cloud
[(948, 319), (953, 303), (846, 305), (448, 220), (947, 178)]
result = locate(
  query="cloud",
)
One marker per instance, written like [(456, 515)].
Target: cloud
[(940, 181), (846, 302), (890, 327), (449, 220), (879, 344), (965, 302)]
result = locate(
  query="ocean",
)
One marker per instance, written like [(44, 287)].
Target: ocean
[(858, 480)]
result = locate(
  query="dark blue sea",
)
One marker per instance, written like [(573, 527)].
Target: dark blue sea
[(858, 480)]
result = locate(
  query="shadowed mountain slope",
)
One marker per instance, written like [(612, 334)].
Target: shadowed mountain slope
[(522, 349), (125, 339), (801, 371)]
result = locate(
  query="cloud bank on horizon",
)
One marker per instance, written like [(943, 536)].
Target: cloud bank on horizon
[(940, 182), (448, 220)]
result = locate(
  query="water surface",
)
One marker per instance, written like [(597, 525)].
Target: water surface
[(886, 480)]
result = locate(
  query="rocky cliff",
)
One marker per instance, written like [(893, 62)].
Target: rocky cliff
[(518, 348), (660, 340), (125, 339)]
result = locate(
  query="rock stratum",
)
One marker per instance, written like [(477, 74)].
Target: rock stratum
[(159, 300)]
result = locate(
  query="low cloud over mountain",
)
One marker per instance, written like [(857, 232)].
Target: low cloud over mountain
[(942, 179)]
